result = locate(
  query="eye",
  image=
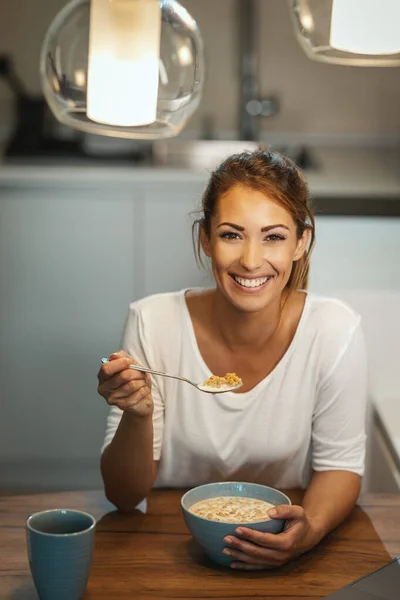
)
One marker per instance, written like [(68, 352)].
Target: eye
[(274, 237), (230, 235)]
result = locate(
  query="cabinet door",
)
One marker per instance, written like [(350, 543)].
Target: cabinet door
[(169, 262), (356, 253), (384, 470), (66, 277)]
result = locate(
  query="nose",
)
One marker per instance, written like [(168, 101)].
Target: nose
[(252, 255)]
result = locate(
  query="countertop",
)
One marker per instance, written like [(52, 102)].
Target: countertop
[(345, 180), (153, 556)]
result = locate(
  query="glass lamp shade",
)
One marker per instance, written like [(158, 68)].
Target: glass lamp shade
[(123, 68), (349, 32)]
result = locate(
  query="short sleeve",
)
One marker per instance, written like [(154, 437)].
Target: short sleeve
[(339, 419), (134, 342)]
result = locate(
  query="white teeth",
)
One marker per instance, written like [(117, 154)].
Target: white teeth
[(251, 282)]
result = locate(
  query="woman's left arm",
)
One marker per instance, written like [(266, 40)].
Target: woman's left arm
[(329, 499), (338, 450)]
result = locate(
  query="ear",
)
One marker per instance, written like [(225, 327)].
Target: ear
[(205, 241), (302, 244)]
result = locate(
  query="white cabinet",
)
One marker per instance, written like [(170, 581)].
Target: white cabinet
[(72, 258), (384, 475), (356, 254), (66, 280)]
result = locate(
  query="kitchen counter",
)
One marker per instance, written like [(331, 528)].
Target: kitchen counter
[(153, 556), (345, 181)]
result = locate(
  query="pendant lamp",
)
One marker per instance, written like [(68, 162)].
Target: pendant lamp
[(123, 68), (349, 32)]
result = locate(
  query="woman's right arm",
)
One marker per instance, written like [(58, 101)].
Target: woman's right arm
[(127, 465)]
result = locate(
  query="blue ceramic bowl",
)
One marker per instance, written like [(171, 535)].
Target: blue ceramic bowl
[(210, 534)]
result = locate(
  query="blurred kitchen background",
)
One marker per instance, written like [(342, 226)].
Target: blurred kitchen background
[(88, 224)]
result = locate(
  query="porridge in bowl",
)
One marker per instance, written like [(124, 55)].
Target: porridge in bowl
[(220, 519), (232, 509)]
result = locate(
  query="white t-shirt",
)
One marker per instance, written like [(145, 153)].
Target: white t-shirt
[(308, 413)]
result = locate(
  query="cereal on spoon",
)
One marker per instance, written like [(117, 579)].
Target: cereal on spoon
[(228, 380)]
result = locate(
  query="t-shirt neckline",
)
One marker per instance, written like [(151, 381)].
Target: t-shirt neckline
[(245, 395)]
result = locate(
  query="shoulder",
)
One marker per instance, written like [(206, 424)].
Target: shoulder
[(331, 316), (157, 309), (331, 326), (150, 325), (157, 302)]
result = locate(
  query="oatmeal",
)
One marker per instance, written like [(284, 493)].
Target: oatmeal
[(230, 380), (232, 509)]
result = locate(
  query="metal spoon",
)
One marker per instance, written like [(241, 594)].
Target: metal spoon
[(200, 386)]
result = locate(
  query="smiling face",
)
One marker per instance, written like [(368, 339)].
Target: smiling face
[(253, 243)]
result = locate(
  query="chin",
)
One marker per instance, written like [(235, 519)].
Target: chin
[(252, 305)]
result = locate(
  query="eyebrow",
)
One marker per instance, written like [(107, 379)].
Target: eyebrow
[(263, 229)]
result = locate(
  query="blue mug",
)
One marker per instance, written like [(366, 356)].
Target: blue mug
[(60, 551)]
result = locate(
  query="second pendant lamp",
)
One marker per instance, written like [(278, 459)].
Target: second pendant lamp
[(349, 32)]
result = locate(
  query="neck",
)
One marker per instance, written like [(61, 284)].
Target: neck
[(240, 329)]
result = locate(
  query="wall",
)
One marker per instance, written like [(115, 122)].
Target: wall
[(315, 98)]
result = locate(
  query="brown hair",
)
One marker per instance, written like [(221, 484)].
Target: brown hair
[(275, 175)]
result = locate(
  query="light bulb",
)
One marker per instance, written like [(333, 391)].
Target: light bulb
[(124, 41), (366, 26)]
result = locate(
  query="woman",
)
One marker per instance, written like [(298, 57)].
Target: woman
[(298, 420)]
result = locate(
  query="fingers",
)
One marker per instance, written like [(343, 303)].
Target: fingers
[(294, 515), (253, 554), (127, 376), (286, 511), (118, 382), (283, 542), (122, 385), (138, 389), (133, 403), (119, 363), (258, 550), (255, 549)]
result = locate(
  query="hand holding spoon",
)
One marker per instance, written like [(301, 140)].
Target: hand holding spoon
[(203, 387)]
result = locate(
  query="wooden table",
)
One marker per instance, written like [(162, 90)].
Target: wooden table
[(141, 556)]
